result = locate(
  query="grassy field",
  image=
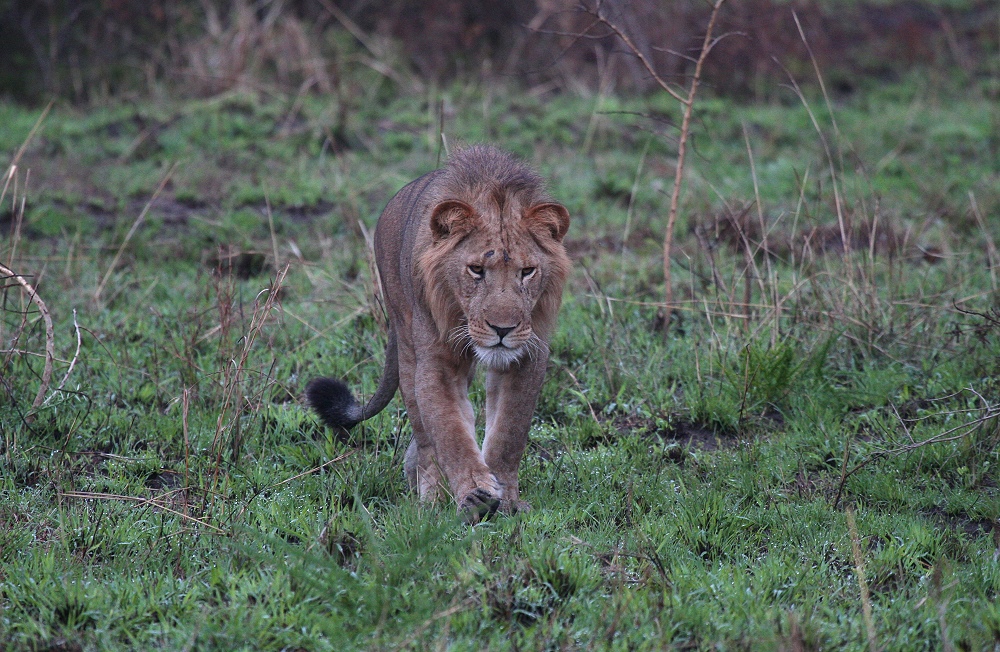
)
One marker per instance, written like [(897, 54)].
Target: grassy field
[(807, 457)]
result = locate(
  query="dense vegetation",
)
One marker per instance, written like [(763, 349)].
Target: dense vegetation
[(90, 51), (805, 457)]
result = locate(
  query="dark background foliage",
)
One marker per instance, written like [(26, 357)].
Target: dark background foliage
[(85, 50)]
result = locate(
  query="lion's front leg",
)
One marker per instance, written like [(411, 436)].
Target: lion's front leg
[(511, 395), (448, 421)]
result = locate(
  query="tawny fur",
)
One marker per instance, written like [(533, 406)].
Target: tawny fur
[(472, 269)]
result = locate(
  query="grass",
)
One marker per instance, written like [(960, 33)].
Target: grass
[(688, 491)]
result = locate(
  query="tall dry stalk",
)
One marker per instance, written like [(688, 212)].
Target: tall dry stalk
[(230, 415), (686, 100), (131, 232), (859, 569)]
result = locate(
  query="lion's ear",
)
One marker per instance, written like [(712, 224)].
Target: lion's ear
[(451, 216), (551, 216)]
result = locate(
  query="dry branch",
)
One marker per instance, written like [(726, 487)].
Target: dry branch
[(76, 354), (988, 412), (50, 340), (687, 100)]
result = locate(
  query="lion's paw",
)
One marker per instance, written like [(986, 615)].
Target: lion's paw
[(478, 505), (511, 507)]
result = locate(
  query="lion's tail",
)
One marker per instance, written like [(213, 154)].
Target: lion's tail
[(336, 406)]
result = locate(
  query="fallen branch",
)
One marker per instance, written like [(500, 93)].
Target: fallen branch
[(987, 413)]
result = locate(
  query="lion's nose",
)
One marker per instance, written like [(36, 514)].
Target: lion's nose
[(501, 331)]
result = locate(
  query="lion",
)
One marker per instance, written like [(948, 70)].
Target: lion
[(472, 268)]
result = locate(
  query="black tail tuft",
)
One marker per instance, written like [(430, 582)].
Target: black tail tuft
[(333, 402)]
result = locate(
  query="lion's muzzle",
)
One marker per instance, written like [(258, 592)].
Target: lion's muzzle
[(499, 356)]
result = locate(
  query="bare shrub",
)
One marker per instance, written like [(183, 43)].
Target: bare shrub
[(91, 50), (243, 46)]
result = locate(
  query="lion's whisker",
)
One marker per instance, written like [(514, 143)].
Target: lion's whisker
[(460, 339)]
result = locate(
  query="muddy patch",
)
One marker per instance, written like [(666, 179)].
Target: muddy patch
[(962, 522), (672, 429)]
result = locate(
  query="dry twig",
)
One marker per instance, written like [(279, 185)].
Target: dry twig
[(31, 134), (131, 231), (50, 340), (76, 355), (229, 418), (687, 101), (987, 413), (143, 501), (315, 468)]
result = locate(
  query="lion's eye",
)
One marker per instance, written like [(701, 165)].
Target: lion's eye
[(527, 272), (476, 270)]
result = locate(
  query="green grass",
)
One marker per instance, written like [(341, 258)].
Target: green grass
[(688, 491)]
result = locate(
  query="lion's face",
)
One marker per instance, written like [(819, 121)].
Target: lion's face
[(505, 273), (498, 286)]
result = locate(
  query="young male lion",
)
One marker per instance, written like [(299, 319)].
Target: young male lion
[(472, 269)]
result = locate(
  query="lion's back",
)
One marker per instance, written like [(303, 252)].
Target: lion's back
[(397, 232)]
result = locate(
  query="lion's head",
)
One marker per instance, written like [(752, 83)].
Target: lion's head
[(494, 271)]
